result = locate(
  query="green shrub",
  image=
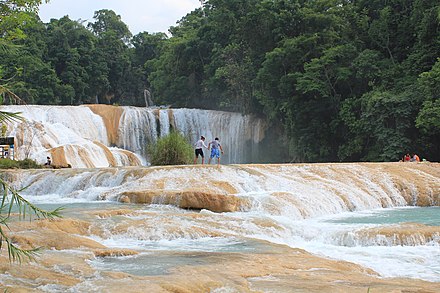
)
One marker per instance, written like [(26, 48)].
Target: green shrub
[(8, 164), (24, 164), (28, 164), (172, 149)]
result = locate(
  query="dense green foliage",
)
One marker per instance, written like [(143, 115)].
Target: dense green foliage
[(19, 164), (338, 80), (172, 149), (63, 62)]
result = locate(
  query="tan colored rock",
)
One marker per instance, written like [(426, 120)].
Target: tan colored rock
[(57, 234), (112, 213), (111, 116), (186, 199), (114, 252), (58, 156), (108, 154), (52, 240), (274, 268)]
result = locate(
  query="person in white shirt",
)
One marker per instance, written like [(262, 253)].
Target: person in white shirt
[(199, 149)]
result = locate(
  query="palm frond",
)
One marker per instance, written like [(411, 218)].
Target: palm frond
[(4, 90), (24, 205), (10, 117), (15, 253), (11, 198)]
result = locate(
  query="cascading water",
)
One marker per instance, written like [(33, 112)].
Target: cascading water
[(102, 136), (238, 134), (176, 219), (352, 212), (137, 128)]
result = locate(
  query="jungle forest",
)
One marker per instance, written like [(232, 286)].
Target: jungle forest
[(336, 80)]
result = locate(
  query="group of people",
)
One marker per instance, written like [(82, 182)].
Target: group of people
[(408, 158), (214, 146)]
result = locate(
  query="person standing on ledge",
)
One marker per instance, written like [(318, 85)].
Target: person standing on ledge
[(199, 149), (216, 148)]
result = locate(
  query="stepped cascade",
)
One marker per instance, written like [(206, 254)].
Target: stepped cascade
[(346, 227), (297, 191), (91, 136)]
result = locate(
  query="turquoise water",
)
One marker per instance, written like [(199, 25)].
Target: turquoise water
[(148, 264), (428, 216), (160, 262), (415, 256), (167, 237)]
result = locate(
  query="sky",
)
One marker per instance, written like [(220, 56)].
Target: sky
[(139, 15)]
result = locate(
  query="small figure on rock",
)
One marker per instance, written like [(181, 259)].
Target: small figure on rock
[(48, 162)]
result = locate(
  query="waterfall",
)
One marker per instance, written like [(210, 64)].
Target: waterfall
[(51, 130), (101, 135), (147, 98), (238, 134)]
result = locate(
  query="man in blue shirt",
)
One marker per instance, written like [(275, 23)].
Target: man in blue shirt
[(216, 148)]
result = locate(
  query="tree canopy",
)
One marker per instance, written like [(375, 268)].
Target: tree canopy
[(337, 80)]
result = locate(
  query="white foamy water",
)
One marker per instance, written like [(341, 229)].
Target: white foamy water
[(81, 137), (172, 231), (330, 237), (72, 129), (320, 208)]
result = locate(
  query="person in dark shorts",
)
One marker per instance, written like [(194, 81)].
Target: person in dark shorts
[(199, 149)]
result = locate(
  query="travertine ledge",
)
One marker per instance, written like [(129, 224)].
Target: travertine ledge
[(186, 199)]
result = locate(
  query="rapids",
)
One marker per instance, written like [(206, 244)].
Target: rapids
[(234, 228)]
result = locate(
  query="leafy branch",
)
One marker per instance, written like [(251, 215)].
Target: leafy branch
[(11, 198)]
